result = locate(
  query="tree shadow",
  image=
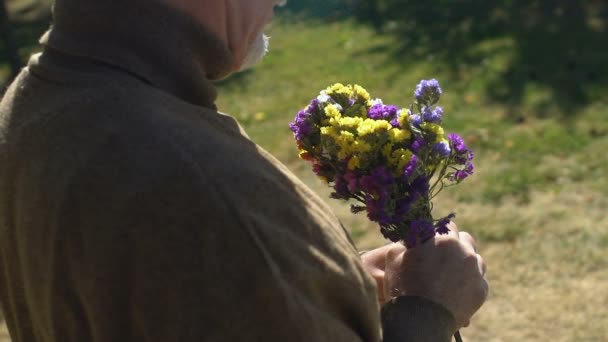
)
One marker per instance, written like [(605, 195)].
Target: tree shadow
[(556, 45), (325, 10)]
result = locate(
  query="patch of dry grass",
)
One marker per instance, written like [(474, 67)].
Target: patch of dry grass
[(546, 263)]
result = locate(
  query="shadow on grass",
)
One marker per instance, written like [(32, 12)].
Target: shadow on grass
[(330, 10), (555, 45)]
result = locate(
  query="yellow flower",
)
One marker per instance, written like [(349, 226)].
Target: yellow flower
[(397, 159), (350, 122), (360, 93), (259, 116), (345, 138), (397, 135), (329, 131), (435, 129), (370, 126), (332, 111), (401, 158), (404, 119), (354, 163), (345, 141), (387, 150), (340, 89), (361, 146)]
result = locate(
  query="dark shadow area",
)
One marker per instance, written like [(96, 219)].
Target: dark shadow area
[(330, 10), (557, 45)]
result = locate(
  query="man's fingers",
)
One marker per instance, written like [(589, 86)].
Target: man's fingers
[(468, 238), (394, 250), (482, 265)]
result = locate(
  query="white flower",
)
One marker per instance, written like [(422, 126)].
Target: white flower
[(376, 102), (323, 97)]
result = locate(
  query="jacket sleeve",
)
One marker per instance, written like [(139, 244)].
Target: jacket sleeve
[(160, 251), (416, 319)]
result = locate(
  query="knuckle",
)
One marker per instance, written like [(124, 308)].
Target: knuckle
[(470, 258), (394, 251), (471, 263), (482, 264), (468, 236), (446, 242), (484, 290)]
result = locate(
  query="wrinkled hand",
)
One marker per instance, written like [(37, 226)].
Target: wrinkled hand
[(445, 269), (374, 262)]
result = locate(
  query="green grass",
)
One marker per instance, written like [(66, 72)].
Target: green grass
[(536, 203)]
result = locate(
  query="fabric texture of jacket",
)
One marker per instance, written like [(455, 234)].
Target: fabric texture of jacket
[(132, 210)]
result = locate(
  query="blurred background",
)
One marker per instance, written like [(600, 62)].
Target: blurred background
[(524, 82)]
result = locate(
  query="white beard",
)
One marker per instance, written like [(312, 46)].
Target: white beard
[(256, 52)]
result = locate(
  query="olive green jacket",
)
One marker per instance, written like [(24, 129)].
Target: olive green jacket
[(131, 210)]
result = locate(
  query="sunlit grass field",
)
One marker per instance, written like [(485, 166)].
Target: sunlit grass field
[(536, 203)]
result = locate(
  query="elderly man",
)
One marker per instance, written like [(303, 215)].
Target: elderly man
[(131, 210)]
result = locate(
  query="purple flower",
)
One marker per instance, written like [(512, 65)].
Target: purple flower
[(403, 207), (313, 106), (463, 155), (383, 112), (457, 142), (301, 125), (416, 120), (323, 170), (378, 179), (420, 186), (420, 231), (377, 208), (417, 144), (460, 175), (341, 187), (441, 226), (351, 181), (464, 158), (409, 169), (395, 122), (377, 185), (442, 148), (427, 92), (433, 116), (383, 175)]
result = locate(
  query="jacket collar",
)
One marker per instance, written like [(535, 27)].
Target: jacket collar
[(146, 38)]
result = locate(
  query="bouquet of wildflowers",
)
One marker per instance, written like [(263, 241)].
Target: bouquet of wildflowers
[(391, 161)]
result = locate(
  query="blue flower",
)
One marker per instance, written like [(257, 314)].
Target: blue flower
[(442, 148), (434, 116), (416, 120), (427, 92)]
